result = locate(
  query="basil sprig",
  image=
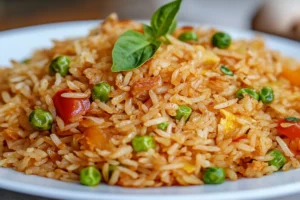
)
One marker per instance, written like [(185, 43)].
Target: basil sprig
[(133, 49), (164, 17)]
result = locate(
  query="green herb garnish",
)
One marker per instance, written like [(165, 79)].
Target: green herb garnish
[(133, 49), (292, 119), (226, 70)]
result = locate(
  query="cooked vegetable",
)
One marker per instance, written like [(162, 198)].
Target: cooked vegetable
[(183, 112), (143, 143), (226, 70), (267, 95), (133, 49), (90, 176), (163, 126), (292, 119), (278, 159), (40, 119), (221, 40), (101, 91), (292, 75), (60, 65), (188, 36), (289, 127), (98, 138), (240, 93), (214, 175), (70, 109)]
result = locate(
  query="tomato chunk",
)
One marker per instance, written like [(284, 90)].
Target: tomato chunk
[(289, 128), (70, 109)]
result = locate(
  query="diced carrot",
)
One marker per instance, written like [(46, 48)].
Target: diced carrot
[(292, 75), (97, 138)]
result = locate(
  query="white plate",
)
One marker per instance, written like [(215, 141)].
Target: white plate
[(19, 43)]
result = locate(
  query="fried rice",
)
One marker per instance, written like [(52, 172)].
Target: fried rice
[(222, 130)]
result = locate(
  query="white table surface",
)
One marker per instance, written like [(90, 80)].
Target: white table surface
[(192, 10)]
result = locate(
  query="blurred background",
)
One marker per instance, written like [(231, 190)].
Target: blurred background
[(280, 17)]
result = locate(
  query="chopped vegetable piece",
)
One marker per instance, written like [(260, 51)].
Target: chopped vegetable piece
[(60, 65), (90, 176), (278, 159), (98, 138), (292, 75), (163, 126), (292, 119), (143, 143), (101, 91), (289, 128), (226, 70), (240, 93), (70, 109), (221, 40), (183, 111), (188, 36), (267, 95), (40, 119), (214, 175)]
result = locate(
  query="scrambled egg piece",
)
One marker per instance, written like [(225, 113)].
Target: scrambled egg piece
[(229, 122), (210, 58), (189, 168)]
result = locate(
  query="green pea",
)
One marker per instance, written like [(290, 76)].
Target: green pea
[(90, 176), (40, 119), (221, 40), (60, 65), (101, 91), (267, 95), (214, 175), (226, 70), (143, 143), (183, 112), (278, 159), (163, 126), (240, 93), (292, 119), (188, 36)]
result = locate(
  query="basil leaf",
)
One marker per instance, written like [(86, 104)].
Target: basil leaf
[(173, 26), (292, 119), (131, 51), (163, 18), (148, 32)]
